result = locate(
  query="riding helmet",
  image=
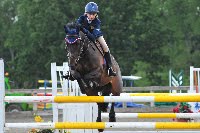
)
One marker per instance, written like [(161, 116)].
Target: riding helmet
[(91, 7)]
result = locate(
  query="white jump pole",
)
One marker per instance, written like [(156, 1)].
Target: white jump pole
[(2, 95), (160, 94), (100, 99), (107, 125), (151, 132), (152, 115)]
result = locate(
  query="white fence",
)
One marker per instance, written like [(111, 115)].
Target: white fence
[(71, 112), (2, 95), (195, 87), (79, 113)]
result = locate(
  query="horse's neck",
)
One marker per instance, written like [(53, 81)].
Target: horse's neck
[(93, 54), (96, 49), (91, 45)]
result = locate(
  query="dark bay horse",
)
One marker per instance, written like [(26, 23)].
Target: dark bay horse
[(88, 67)]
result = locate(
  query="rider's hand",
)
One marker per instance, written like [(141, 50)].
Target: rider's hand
[(84, 31), (91, 37), (80, 26)]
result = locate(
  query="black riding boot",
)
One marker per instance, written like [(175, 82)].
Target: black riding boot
[(111, 72)]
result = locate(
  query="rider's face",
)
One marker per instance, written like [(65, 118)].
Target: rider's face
[(91, 16)]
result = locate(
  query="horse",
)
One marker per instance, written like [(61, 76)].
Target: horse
[(88, 66)]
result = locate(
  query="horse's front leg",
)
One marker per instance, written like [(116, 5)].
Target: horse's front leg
[(99, 113), (99, 116), (83, 86), (102, 107), (112, 117), (76, 75)]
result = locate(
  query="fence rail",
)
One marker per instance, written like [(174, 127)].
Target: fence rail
[(124, 89)]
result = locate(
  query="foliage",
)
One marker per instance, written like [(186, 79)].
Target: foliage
[(183, 107), (41, 131), (147, 37), (39, 119)]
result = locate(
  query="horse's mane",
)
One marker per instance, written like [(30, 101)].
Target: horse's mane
[(72, 25)]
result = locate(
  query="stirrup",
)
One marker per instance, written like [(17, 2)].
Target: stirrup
[(111, 73)]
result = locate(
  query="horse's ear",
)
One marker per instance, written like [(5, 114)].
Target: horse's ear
[(79, 26), (66, 29)]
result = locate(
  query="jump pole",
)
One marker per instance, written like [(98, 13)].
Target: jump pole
[(151, 132), (153, 115), (100, 99), (107, 125), (2, 95), (160, 94)]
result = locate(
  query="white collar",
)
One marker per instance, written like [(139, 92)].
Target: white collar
[(89, 21)]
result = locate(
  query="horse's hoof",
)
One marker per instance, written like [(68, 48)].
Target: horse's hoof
[(100, 130), (82, 91), (65, 76)]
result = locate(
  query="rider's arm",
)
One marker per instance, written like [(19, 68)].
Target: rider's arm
[(80, 20), (96, 32), (97, 29), (89, 35)]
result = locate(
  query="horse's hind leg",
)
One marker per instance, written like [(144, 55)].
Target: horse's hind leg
[(112, 117)]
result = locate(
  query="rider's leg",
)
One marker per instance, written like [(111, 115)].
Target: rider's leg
[(102, 41)]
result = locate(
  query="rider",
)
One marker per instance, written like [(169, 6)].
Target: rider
[(90, 25)]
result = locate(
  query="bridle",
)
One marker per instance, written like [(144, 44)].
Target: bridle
[(84, 43)]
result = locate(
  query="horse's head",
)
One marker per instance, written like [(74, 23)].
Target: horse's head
[(74, 43)]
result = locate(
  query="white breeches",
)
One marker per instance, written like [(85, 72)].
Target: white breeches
[(103, 44)]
